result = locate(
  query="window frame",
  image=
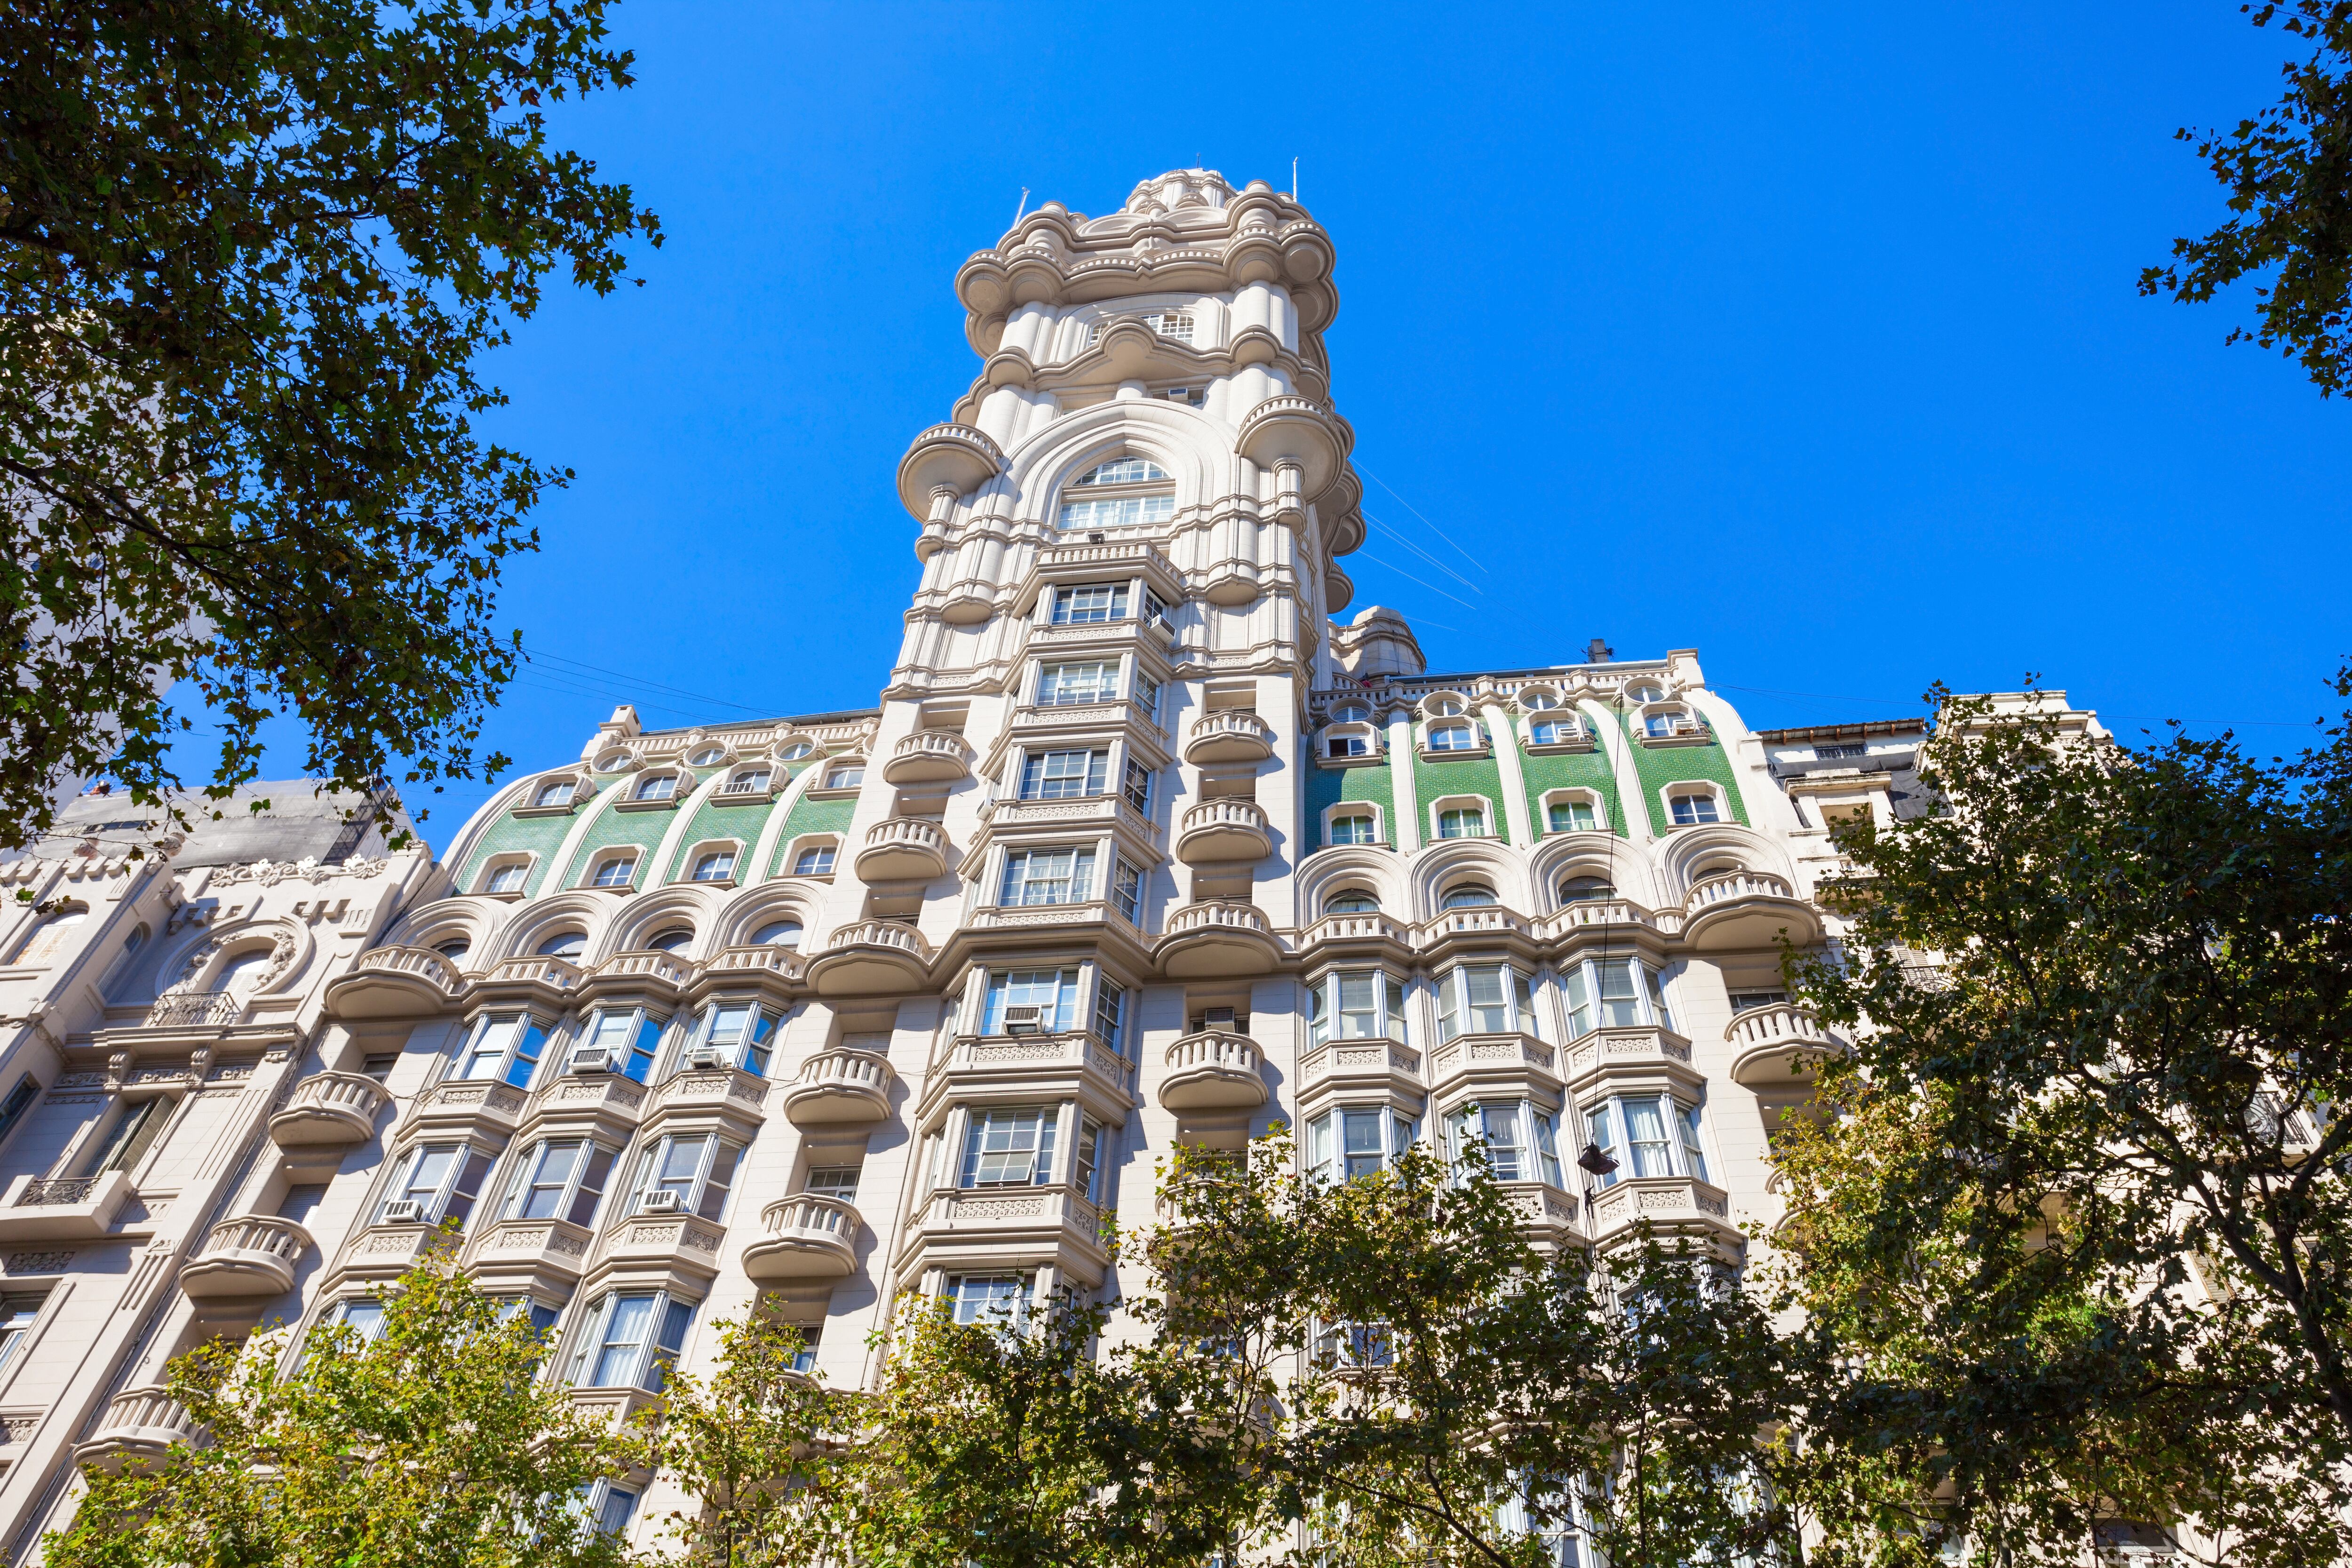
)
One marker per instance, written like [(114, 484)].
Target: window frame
[(1680, 790), (1047, 690), (695, 1198), (641, 1044), (1327, 1155), (1684, 1154), (667, 1316), (523, 1184), (997, 990), (1022, 886), (624, 877), (1590, 800), (449, 1198), (468, 1052), (753, 1052), (1533, 1155), (1045, 773), (1456, 1005), (1327, 998), (1585, 1002), (981, 1122)]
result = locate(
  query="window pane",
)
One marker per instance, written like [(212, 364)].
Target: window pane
[(1645, 1130), (624, 1338), (1695, 1159), (1619, 1005), (592, 1187)]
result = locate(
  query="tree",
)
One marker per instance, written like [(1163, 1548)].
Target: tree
[(2078, 1216), (430, 1446), (750, 1445), (1414, 1382), (2289, 175), (251, 253)]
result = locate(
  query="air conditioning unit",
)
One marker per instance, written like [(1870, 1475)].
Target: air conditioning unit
[(1217, 1018), (1024, 1020), (664, 1202), (590, 1058), (705, 1057), (402, 1211)]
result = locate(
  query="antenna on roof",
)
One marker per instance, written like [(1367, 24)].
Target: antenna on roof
[(1024, 207), (1294, 179)]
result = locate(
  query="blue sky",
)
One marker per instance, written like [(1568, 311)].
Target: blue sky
[(1805, 335)]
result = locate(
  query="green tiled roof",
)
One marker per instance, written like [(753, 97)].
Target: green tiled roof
[(538, 836), (614, 829), (1662, 765), (1327, 787), (811, 816), (1571, 770), (1473, 776), (741, 821)]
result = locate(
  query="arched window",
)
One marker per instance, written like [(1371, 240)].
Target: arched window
[(1351, 713), (615, 873), (672, 940), (795, 751), (717, 866), (1538, 700), (1125, 493), (848, 775), (1354, 902), (814, 861), (778, 934), (657, 786), (748, 781), (1579, 890), (554, 792), (454, 949), (507, 878), (242, 975), (565, 944), (50, 935), (1444, 707), (1645, 693), (708, 757), (1667, 721), (1452, 738), (1469, 896)]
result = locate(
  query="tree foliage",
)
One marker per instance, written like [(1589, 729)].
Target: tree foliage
[(432, 1446), (748, 1445), (251, 254), (2078, 1216), (2288, 171)]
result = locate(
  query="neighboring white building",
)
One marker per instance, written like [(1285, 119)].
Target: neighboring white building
[(1145, 842), (158, 1018)]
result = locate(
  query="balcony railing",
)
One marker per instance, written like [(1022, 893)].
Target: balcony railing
[(1712, 890), (58, 1191), (202, 1009)]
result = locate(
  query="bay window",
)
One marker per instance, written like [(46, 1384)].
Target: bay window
[(1647, 1135), (1068, 685), (1091, 606), (631, 1339), (1127, 889), (1010, 1146), (686, 1172), (1521, 1141), (630, 1038), (738, 1033), (1484, 999), (1613, 993), (505, 1047), (1086, 1173), (988, 1297), (435, 1181), (1044, 1000), (1110, 1011), (1062, 876), (1354, 1142), (1063, 775), (1356, 1004), (561, 1178)]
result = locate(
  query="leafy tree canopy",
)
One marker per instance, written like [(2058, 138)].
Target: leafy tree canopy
[(2288, 171), (251, 252)]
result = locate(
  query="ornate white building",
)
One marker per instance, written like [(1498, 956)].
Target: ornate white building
[(1144, 843)]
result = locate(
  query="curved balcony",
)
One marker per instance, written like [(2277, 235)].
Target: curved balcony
[(1672, 1205), (1213, 1070), (1294, 430), (1215, 940), (393, 981), (1228, 735), (140, 1424), (251, 1256), (1778, 1047), (1747, 908), (902, 850), (329, 1110), (871, 957), (533, 981), (954, 457), (808, 1238), (928, 756), (839, 1088), (1217, 831)]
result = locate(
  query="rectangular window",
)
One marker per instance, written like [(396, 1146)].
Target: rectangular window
[(613, 1514), (1127, 889), (1138, 786), (1090, 605), (1366, 1004), (504, 1047), (1694, 1159), (1087, 1174), (1645, 1135), (1065, 684), (1579, 1001), (1498, 1127), (1691, 810), (134, 1132), (442, 1180), (629, 1038), (696, 1168), (1117, 511), (1053, 992), (1467, 822), (1110, 1011), (1476, 999), (1048, 876), (1346, 746), (564, 1179), (741, 1033), (989, 1298), (1621, 1004), (1010, 1146), (833, 1182), (1063, 775), (640, 1337), (27, 1090), (16, 1315), (1572, 817), (1601, 1123), (805, 1358), (1154, 608), (1353, 829), (1147, 697), (1546, 1147)]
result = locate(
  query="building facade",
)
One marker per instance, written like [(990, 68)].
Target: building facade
[(1148, 839)]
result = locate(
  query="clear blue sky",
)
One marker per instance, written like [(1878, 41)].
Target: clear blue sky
[(1803, 335)]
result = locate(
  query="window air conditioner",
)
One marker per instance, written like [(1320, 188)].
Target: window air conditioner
[(592, 1058), (1217, 1018), (664, 1202), (1023, 1021), (705, 1056), (402, 1211)]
